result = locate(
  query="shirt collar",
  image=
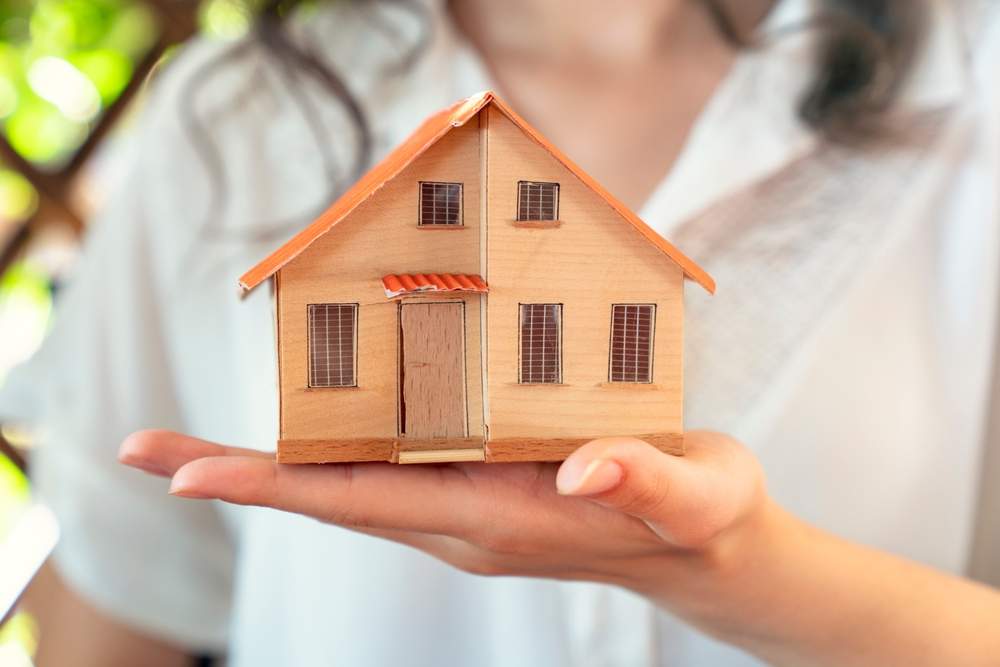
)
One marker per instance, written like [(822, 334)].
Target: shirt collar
[(751, 129)]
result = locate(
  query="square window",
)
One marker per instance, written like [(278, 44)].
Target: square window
[(632, 342), (332, 344), (440, 204), (537, 201), (541, 343)]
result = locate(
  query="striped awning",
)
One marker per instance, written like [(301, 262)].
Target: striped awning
[(411, 283)]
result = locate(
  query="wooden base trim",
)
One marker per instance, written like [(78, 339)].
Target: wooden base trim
[(442, 456), (337, 451), (506, 450), (401, 450), (347, 450)]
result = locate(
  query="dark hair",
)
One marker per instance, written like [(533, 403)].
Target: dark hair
[(864, 54)]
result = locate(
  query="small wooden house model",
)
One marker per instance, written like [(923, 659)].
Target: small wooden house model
[(476, 297)]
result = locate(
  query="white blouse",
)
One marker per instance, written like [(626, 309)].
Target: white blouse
[(849, 345)]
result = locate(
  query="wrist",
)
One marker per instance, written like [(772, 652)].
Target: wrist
[(714, 586), (737, 551)]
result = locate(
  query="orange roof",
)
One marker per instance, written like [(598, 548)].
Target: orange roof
[(408, 283), (423, 138)]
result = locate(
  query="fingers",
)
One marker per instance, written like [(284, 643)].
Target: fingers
[(431, 499), (686, 500), (162, 453), (457, 501), (426, 499)]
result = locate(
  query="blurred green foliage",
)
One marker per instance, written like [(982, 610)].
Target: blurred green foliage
[(14, 496), (19, 635), (62, 62), (18, 641), (230, 19), (23, 292), (226, 19), (25, 310), (18, 199)]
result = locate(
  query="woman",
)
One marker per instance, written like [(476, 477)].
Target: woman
[(849, 340)]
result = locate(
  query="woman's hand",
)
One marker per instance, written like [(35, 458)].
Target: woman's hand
[(616, 511), (695, 534)]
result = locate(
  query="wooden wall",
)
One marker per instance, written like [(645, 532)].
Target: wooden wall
[(346, 265), (592, 260)]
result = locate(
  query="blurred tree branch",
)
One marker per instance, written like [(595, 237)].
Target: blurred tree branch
[(15, 456)]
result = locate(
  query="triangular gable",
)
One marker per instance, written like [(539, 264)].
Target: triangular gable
[(428, 134)]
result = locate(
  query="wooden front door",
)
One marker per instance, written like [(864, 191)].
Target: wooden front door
[(432, 367)]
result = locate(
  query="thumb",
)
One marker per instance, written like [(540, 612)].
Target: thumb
[(687, 500)]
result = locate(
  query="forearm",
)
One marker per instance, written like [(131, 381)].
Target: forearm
[(72, 632), (795, 595)]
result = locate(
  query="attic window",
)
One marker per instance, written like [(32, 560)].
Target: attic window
[(332, 344), (541, 343), (632, 342), (537, 201), (440, 204)]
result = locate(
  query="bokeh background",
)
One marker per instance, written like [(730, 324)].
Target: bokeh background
[(72, 76)]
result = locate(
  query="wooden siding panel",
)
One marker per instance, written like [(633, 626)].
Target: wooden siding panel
[(380, 237), (593, 260)]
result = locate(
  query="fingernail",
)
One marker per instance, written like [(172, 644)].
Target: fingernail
[(599, 476), (182, 490)]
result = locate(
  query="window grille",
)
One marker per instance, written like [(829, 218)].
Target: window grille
[(537, 201), (541, 344), (441, 204), (332, 344), (632, 342)]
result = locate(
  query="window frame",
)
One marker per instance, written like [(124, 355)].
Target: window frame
[(555, 205), (440, 225), (311, 368), (558, 380), (649, 353)]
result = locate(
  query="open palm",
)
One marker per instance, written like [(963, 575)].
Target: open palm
[(616, 511)]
